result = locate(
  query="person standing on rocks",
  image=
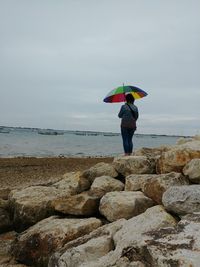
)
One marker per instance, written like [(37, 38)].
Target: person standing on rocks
[(129, 115)]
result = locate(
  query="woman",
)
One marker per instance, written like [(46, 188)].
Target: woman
[(129, 115)]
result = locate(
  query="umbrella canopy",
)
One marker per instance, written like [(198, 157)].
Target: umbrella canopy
[(118, 94)]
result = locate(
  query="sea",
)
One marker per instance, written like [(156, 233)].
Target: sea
[(34, 142)]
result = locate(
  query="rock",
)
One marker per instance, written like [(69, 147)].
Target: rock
[(73, 183), (173, 246), (117, 205), (36, 245), (6, 243), (81, 204), (135, 182), (151, 152), (153, 218), (33, 204), (176, 158), (87, 249), (105, 184), (192, 170), (134, 165), (100, 169), (182, 200), (194, 145), (183, 140), (194, 217), (196, 137), (133, 234), (92, 250), (154, 185)]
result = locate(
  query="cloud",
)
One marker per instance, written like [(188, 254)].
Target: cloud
[(61, 58)]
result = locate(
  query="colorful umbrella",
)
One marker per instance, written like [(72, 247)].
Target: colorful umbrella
[(118, 94)]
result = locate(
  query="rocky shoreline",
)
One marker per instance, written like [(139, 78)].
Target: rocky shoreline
[(136, 211)]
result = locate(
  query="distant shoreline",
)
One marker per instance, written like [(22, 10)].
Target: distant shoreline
[(87, 131)]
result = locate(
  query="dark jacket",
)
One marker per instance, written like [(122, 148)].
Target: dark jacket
[(128, 117)]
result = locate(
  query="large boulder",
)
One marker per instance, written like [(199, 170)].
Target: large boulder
[(87, 249), (33, 203), (117, 205), (88, 252), (105, 184), (182, 200), (100, 169), (194, 145), (183, 140), (154, 185), (152, 219), (196, 137), (134, 165), (132, 234), (36, 245), (73, 183), (151, 152), (176, 158), (81, 204), (172, 246), (192, 170)]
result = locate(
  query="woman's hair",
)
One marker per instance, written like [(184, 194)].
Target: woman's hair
[(129, 98)]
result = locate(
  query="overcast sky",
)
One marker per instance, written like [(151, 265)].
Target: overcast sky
[(59, 59)]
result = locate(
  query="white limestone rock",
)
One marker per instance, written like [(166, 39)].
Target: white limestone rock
[(100, 169), (154, 185), (133, 234), (151, 152), (117, 205), (72, 183), (176, 158), (134, 165), (192, 170), (80, 204), (88, 248), (35, 246), (174, 246), (182, 200), (105, 184), (33, 203)]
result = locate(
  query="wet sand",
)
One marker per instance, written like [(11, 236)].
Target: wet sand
[(22, 172)]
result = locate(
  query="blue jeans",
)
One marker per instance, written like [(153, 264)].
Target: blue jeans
[(127, 135)]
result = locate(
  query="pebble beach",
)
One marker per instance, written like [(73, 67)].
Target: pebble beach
[(25, 171)]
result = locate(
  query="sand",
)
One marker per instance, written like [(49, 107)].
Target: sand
[(22, 172)]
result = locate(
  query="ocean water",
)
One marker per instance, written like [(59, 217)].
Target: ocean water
[(21, 142)]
